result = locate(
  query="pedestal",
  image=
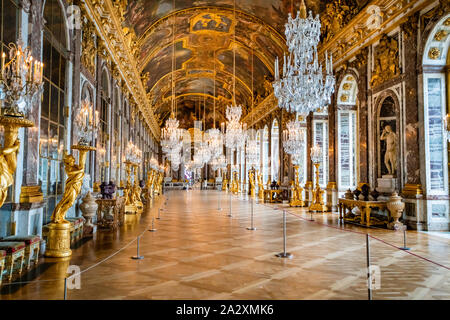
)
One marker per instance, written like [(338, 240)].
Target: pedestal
[(386, 184), (332, 196), (58, 240)]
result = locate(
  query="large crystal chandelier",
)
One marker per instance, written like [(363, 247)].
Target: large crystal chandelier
[(236, 131), (219, 163), (293, 138), (214, 140), (20, 80), (171, 135), (303, 87), (203, 153)]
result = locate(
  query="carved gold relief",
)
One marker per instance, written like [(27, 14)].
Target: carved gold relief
[(386, 61), (337, 14), (440, 35), (347, 86), (434, 53), (88, 51), (344, 98)]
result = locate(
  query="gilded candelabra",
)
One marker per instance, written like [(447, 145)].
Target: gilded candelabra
[(317, 193), (130, 207), (137, 189), (58, 239), (297, 190)]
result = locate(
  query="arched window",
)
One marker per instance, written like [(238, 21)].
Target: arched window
[(435, 84), (52, 129), (275, 151), (347, 133), (320, 138), (102, 125), (265, 153)]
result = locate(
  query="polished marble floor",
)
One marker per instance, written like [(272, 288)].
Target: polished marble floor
[(199, 252)]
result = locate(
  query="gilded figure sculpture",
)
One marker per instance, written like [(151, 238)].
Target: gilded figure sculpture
[(337, 14), (260, 186), (75, 175), (251, 180), (297, 191)]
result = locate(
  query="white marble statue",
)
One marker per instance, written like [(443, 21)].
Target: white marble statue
[(390, 156)]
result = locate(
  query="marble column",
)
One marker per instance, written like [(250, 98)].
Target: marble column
[(363, 116), (31, 191)]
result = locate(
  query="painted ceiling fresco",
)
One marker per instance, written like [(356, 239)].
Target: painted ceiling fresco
[(205, 32)]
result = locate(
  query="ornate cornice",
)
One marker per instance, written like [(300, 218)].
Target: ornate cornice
[(265, 108), (122, 51), (360, 32)]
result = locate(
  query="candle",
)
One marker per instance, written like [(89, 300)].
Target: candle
[(3, 62)]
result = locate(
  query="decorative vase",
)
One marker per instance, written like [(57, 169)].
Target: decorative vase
[(88, 208), (365, 191), (375, 194), (348, 194), (357, 193), (396, 207)]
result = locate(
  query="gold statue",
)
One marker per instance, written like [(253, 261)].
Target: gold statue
[(251, 180), (128, 193), (58, 237), (137, 190), (9, 151), (297, 190), (317, 194), (75, 175), (386, 61), (260, 187)]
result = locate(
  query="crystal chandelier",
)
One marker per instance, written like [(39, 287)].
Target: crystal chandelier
[(303, 88), (235, 135), (316, 154), (219, 163), (154, 163), (214, 139), (20, 80), (203, 153), (133, 153), (293, 138), (85, 126), (171, 135)]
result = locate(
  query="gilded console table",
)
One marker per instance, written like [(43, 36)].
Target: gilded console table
[(365, 207)]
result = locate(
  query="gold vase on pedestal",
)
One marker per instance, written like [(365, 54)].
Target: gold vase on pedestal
[(58, 239), (128, 194), (317, 204), (297, 197), (8, 154)]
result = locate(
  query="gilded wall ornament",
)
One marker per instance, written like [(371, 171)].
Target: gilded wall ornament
[(88, 51), (434, 53), (337, 14), (344, 97), (347, 86), (386, 61), (440, 35)]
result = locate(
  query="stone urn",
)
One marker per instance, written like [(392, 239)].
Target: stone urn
[(396, 207), (88, 208)]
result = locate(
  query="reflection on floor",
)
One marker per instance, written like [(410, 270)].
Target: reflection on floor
[(198, 252)]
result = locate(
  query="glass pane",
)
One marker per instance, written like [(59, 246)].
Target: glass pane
[(53, 139), (61, 107), (53, 177), (55, 66), (46, 57), (436, 139), (62, 76), (44, 138), (10, 23), (344, 153), (43, 175), (45, 100), (54, 104)]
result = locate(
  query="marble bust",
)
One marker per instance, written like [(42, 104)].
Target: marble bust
[(390, 156)]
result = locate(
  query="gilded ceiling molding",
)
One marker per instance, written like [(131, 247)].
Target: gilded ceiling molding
[(123, 50), (266, 29), (363, 30), (264, 109)]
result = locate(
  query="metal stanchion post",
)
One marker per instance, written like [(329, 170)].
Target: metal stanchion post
[(153, 225), (369, 285), (220, 196), (229, 214), (404, 240), (252, 227), (65, 288), (284, 254), (311, 216), (138, 256), (159, 214)]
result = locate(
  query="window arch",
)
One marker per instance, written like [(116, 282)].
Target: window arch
[(347, 133), (435, 89), (52, 128), (265, 153), (275, 151)]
